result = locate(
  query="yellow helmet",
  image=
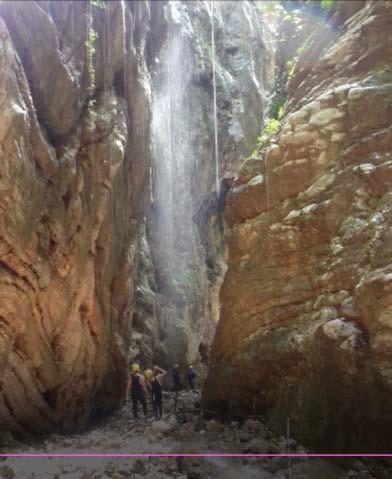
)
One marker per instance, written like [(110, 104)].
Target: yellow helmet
[(148, 373), (135, 368)]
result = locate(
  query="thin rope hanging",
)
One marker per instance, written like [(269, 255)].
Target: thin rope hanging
[(214, 91)]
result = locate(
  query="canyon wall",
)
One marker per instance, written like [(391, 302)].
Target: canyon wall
[(73, 186), (176, 305), (83, 281), (305, 327)]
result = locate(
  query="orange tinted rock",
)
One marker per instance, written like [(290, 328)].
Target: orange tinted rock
[(66, 273), (306, 301)]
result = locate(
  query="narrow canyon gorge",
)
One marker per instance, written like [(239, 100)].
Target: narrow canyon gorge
[(205, 183)]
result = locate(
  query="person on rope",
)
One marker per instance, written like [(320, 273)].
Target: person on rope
[(191, 376), (138, 389), (156, 390)]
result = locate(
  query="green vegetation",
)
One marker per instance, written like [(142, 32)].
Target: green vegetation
[(295, 23), (316, 7), (274, 116), (292, 63), (326, 5), (275, 109), (270, 126), (321, 9)]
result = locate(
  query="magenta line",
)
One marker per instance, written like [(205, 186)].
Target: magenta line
[(87, 454)]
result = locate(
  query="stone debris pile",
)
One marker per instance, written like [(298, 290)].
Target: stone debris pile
[(187, 431)]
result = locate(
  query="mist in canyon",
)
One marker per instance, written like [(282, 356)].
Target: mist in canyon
[(203, 183)]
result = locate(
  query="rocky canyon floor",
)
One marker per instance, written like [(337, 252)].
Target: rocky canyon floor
[(183, 432)]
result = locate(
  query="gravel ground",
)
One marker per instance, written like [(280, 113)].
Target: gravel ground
[(183, 432)]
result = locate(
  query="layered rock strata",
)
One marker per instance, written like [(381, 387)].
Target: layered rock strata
[(305, 328), (73, 184), (80, 273)]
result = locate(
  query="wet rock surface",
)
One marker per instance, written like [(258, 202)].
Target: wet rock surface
[(184, 432), (178, 304), (306, 302)]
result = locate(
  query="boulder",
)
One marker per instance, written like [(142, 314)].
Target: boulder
[(162, 427)]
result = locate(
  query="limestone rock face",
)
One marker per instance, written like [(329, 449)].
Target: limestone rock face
[(72, 192), (305, 326), (184, 229), (82, 286)]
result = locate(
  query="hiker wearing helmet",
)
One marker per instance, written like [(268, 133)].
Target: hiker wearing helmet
[(138, 389), (156, 390), (191, 376), (148, 374)]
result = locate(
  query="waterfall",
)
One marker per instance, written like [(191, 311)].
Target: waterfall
[(214, 90), (124, 47), (191, 67), (173, 159)]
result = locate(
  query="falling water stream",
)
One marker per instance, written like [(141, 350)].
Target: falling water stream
[(173, 154), (177, 177), (124, 46), (187, 161), (173, 141)]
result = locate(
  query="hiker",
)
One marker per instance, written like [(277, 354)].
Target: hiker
[(148, 374), (191, 376), (176, 378), (156, 390), (138, 389)]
